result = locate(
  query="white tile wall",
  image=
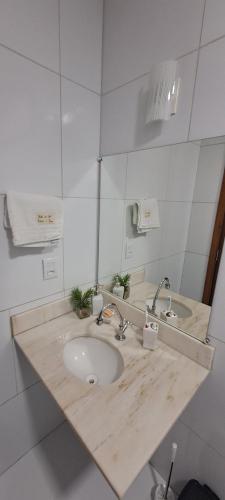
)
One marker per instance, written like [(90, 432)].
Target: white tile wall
[(193, 278), (182, 172), (25, 374), (210, 173), (81, 38), (147, 174), (80, 140), (21, 271), (201, 227), (200, 414), (29, 127), (176, 228), (7, 370), (25, 420), (213, 26), (138, 34), (208, 114), (60, 468), (31, 28), (172, 266), (80, 241), (32, 159), (114, 176), (195, 459), (124, 110), (111, 236)]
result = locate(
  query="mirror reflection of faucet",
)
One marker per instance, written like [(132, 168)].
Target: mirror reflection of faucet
[(168, 314), (165, 281)]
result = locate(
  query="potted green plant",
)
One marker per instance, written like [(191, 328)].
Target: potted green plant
[(81, 302), (124, 280)]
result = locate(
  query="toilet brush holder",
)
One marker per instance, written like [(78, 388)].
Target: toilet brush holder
[(160, 493)]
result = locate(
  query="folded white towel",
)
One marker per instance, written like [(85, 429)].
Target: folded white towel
[(35, 220), (146, 215)]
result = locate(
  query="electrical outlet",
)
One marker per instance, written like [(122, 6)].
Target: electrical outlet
[(129, 250), (50, 268)]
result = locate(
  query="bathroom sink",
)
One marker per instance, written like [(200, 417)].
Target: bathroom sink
[(93, 360), (162, 304)]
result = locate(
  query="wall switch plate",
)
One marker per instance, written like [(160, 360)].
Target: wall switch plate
[(50, 268), (129, 250)]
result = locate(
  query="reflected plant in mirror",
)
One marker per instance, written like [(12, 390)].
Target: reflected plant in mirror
[(162, 214)]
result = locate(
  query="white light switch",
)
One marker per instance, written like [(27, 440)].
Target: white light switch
[(50, 268)]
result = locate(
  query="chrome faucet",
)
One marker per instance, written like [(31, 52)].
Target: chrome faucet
[(122, 325), (165, 281)]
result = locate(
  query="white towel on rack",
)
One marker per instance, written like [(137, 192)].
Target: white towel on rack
[(146, 215), (35, 220)]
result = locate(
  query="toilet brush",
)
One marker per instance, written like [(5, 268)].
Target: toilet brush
[(163, 491)]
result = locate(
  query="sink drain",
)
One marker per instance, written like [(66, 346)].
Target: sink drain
[(92, 379)]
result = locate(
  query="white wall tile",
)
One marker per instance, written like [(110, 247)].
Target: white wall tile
[(201, 227), (182, 172), (7, 370), (113, 176), (172, 267), (208, 118), (193, 278), (147, 173), (80, 140), (80, 235), (161, 458), (213, 26), (21, 271), (25, 420), (137, 34), (124, 110), (175, 229), (195, 459), (60, 468), (210, 173), (81, 38), (25, 374), (31, 28), (111, 236), (207, 420), (29, 127), (36, 303), (152, 272)]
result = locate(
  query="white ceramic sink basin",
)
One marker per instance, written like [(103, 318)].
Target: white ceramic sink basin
[(93, 360), (162, 304)]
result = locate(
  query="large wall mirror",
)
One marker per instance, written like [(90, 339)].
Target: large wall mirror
[(162, 216)]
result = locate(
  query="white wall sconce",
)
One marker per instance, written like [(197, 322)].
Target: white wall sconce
[(163, 93)]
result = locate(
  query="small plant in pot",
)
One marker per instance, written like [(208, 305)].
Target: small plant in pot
[(124, 280), (81, 302)]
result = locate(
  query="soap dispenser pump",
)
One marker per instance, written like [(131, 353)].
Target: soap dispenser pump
[(97, 301)]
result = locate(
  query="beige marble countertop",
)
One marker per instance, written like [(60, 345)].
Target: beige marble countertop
[(195, 325), (121, 424)]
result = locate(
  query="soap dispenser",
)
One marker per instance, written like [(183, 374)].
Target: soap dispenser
[(150, 334), (118, 289), (97, 301)]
